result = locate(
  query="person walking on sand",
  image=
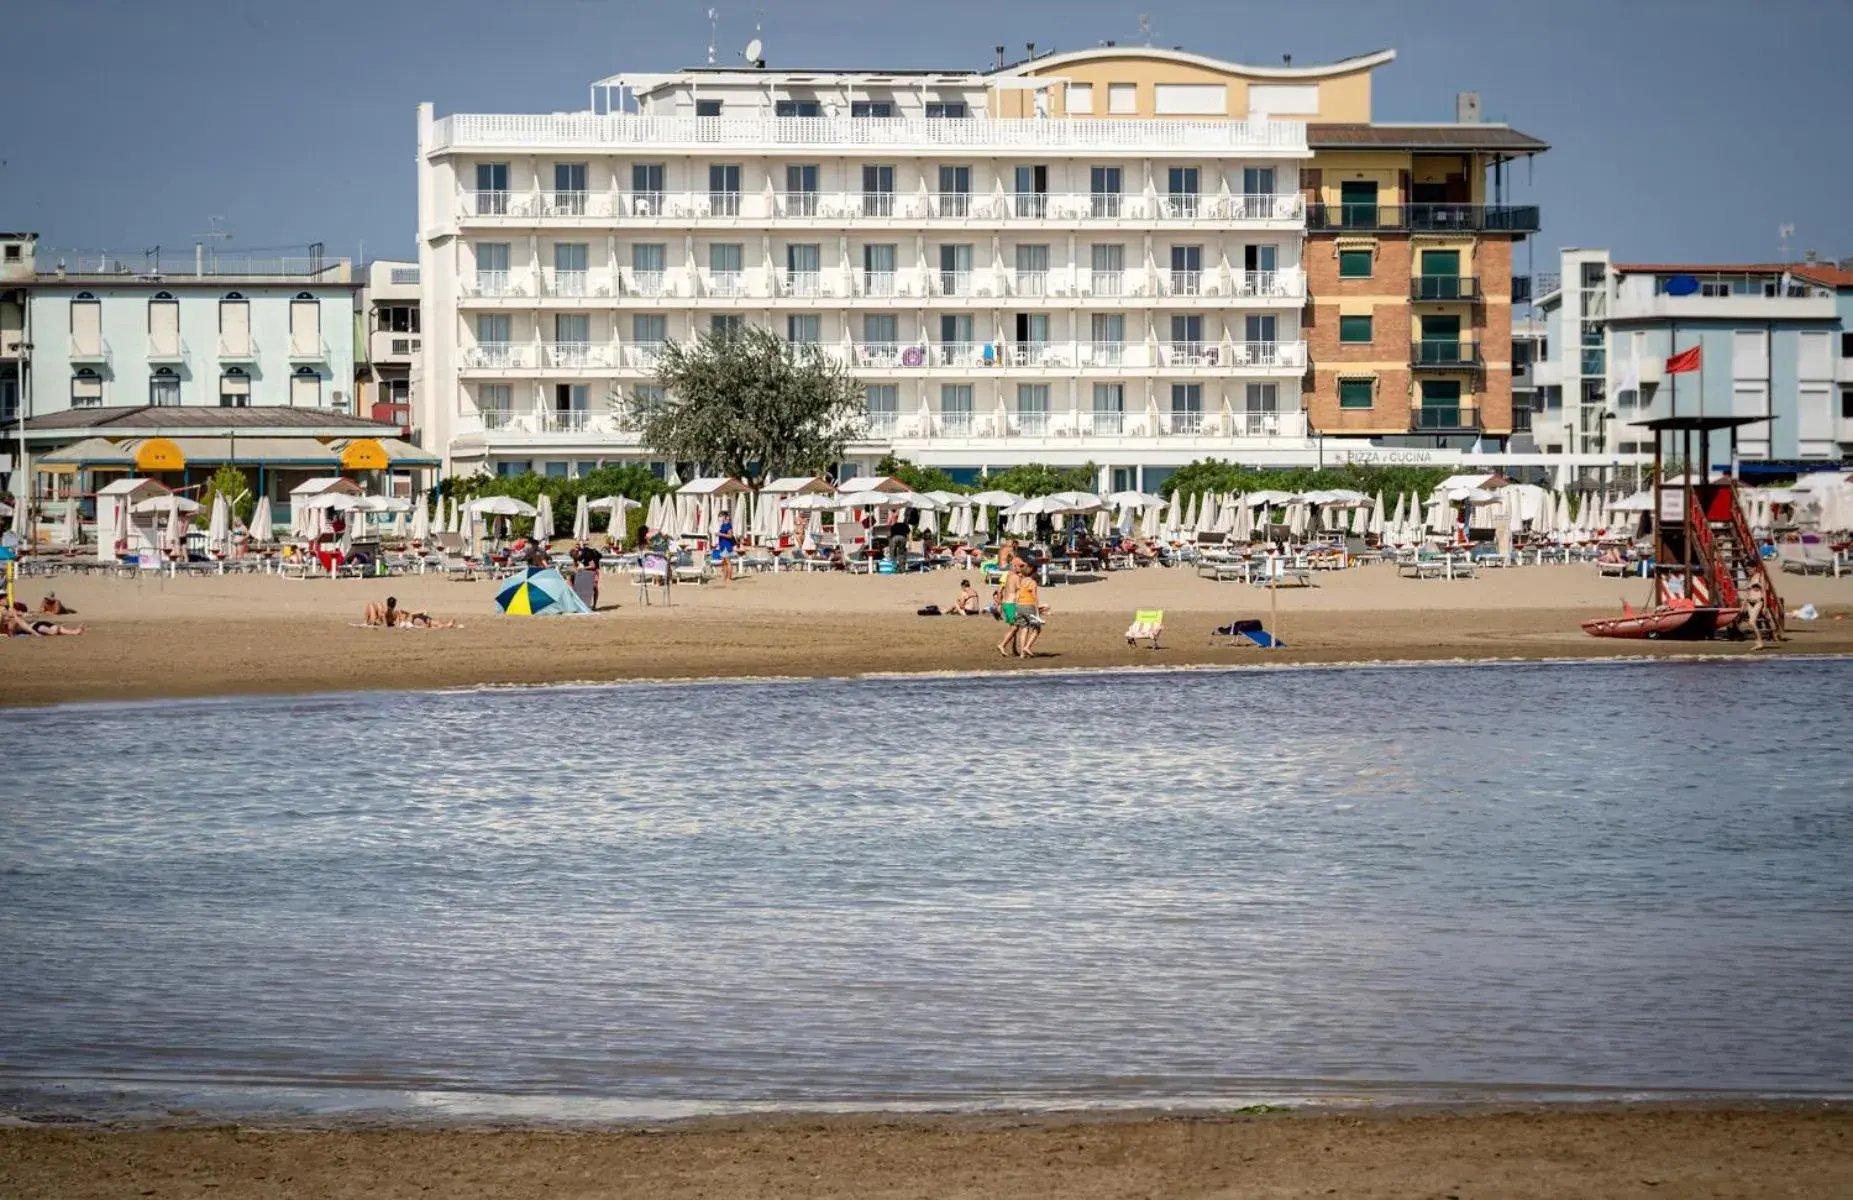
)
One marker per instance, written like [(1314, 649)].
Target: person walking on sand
[(725, 547), (1755, 603), (1007, 609), (1029, 610)]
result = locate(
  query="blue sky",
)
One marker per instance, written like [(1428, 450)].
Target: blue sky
[(1681, 129)]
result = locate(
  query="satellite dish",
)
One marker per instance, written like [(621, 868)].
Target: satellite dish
[(753, 51), (1682, 285)]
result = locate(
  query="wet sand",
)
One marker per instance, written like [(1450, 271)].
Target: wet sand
[(255, 634), (1629, 1152)]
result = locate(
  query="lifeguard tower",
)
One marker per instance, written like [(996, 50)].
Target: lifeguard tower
[(1704, 554)]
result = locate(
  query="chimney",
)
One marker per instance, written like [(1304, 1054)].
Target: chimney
[(1000, 58), (1467, 108)]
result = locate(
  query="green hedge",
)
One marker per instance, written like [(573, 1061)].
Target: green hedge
[(633, 481)]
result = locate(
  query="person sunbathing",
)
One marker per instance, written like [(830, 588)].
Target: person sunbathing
[(51, 606), (968, 604), (390, 616), (14, 625)]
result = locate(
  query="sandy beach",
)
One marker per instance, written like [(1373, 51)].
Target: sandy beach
[(1684, 1152), (222, 635)]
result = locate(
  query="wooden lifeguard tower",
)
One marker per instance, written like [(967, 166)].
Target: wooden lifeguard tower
[(1704, 553)]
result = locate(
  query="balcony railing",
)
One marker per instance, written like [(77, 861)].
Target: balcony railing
[(724, 283), (958, 354), (498, 283), (876, 283), (1038, 354), (1446, 417), (230, 350), (876, 354), (1181, 421), (576, 354), (640, 355), (497, 418), (1444, 287), (593, 130), (874, 204), (1107, 283), (1028, 283), (1182, 283), (1285, 285), (1034, 205), (1032, 422), (797, 204), (882, 422), (1180, 206), (1102, 354), (567, 283), (565, 420), (720, 204), (1444, 353), (572, 204), (499, 356), (800, 283), (646, 283), (1425, 218), (953, 283)]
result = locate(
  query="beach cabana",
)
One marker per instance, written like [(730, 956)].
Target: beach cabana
[(121, 531)]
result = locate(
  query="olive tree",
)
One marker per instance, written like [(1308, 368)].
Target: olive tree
[(752, 405)]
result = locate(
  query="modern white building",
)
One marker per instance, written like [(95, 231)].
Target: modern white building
[(1775, 341), (1010, 289)]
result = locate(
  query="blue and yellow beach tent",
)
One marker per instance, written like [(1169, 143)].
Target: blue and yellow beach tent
[(539, 590)]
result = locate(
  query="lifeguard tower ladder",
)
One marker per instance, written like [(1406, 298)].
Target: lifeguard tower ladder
[(1703, 548)]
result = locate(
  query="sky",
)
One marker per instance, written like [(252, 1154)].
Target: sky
[(1680, 129)]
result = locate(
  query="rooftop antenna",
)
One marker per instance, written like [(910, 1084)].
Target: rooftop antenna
[(1145, 28), (713, 28), (1785, 232), (215, 232)]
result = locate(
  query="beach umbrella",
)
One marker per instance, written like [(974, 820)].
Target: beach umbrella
[(218, 525), (1190, 513), (543, 519), (582, 520), (1560, 519), (537, 591), (175, 535), (421, 522), (1360, 519), (73, 528), (1376, 517), (1103, 523), (1174, 515), (260, 528)]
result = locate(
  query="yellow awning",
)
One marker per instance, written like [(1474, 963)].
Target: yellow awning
[(159, 454)]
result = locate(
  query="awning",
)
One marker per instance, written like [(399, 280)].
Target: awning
[(377, 454), (91, 452)]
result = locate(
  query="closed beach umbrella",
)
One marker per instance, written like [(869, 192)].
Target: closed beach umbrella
[(261, 524), (218, 526), (73, 529), (421, 522), (582, 520), (543, 519), (1190, 513), (1560, 519), (1174, 515)]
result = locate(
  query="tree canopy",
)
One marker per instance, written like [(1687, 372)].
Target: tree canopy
[(634, 481), (750, 404), (1215, 475), (1031, 480)]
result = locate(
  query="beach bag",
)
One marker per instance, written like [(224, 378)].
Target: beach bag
[(930, 610)]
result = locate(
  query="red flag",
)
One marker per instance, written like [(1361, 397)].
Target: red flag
[(1685, 360)]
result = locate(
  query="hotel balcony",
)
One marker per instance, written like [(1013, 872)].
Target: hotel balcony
[(1444, 289), (239, 350), (499, 356), (170, 352), (1032, 428), (1445, 355), (576, 355), (1423, 218), (1451, 418), (1630, 307), (308, 349), (385, 346), (546, 424), (504, 209), (559, 284)]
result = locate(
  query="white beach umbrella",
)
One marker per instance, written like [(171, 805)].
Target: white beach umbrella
[(1560, 519), (1190, 513), (1150, 520), (1243, 530), (421, 522), (995, 498), (1402, 513), (261, 525), (543, 519), (1174, 514), (73, 526), (218, 526), (175, 531), (1376, 517), (1103, 523), (582, 520)]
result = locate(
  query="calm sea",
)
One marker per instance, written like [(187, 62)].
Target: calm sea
[(1164, 889)]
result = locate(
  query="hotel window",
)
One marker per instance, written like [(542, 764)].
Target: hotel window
[(722, 325), (508, 467), (1122, 98), (86, 325), (491, 189), (797, 108), (1354, 264), (1109, 407), (235, 326), (1080, 99), (707, 108), (1186, 407), (804, 329), (955, 191), (163, 326), (397, 318), (1355, 393), (724, 189), (1032, 191), (877, 190), (235, 389), (955, 407), (305, 325), (1033, 408), (305, 389), (871, 108), (1354, 330), (164, 388), (881, 330), (647, 189), (86, 389), (495, 401), (649, 329), (492, 338), (648, 398), (569, 190), (884, 407), (946, 109)]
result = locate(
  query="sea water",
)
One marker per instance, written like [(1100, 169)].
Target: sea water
[(1144, 889)]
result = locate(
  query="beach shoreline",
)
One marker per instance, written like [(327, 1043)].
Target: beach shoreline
[(264, 635), (1697, 1148)]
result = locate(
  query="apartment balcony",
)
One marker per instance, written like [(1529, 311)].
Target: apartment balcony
[(564, 420), (499, 356), (1423, 218), (1106, 283), (646, 284), (640, 356), (576, 355), (1445, 355), (1629, 307), (884, 355), (1444, 289), (1101, 355), (1180, 283), (957, 283), (177, 352), (723, 285), (497, 285), (800, 284), (1233, 355), (90, 354), (233, 350), (1449, 418), (577, 205), (520, 134), (384, 346), (1043, 355), (876, 284), (1027, 283), (303, 350)]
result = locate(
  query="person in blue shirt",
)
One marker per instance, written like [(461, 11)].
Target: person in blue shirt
[(725, 546)]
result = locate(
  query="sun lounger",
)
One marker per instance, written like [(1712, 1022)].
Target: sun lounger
[(1147, 624)]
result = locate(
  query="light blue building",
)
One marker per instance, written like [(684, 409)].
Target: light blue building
[(1775, 341)]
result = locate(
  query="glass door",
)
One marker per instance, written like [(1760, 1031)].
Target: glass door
[(1440, 278), (1357, 204), (801, 190), (1104, 191)]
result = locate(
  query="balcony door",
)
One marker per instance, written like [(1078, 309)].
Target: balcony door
[(877, 190), (1182, 185), (1260, 256), (801, 190), (1032, 191), (955, 191), (955, 267), (1441, 404), (1104, 186), (570, 398), (1357, 201), (1187, 330), (1441, 339), (491, 189), (1187, 270), (955, 329), (1109, 407), (1262, 330), (1186, 407), (1440, 278), (724, 189)]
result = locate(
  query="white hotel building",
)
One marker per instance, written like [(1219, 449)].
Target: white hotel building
[(1039, 264)]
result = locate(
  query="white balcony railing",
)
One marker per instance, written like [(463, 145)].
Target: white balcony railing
[(800, 204), (646, 283), (566, 283), (1102, 354), (1028, 283), (1039, 354), (497, 283), (495, 131), (565, 420), (1285, 285), (576, 354), (1182, 283), (724, 283), (1032, 422), (800, 283), (954, 283), (876, 354), (876, 283), (499, 356), (642, 356), (497, 418), (956, 354), (1107, 283)]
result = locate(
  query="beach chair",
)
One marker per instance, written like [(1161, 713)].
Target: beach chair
[(1147, 624), (651, 571)]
